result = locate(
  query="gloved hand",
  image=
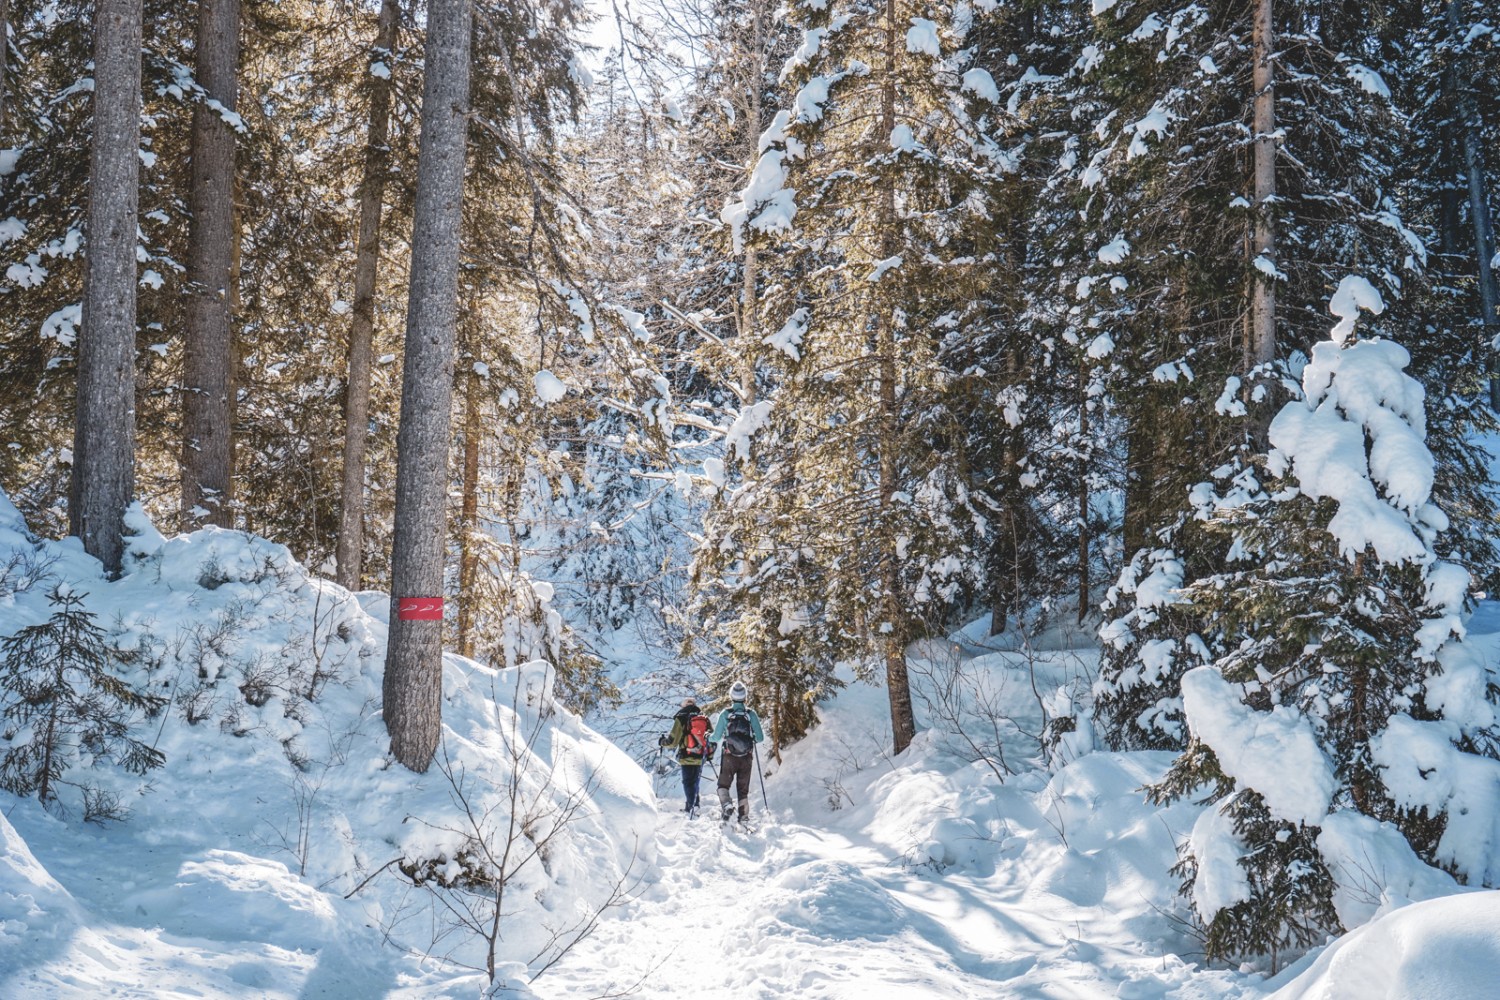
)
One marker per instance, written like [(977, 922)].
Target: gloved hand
[(664, 741)]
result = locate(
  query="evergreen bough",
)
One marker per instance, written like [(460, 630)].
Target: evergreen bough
[(63, 703)]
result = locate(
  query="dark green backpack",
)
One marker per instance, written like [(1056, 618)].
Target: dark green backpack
[(739, 738)]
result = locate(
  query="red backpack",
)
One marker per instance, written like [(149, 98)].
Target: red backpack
[(695, 740)]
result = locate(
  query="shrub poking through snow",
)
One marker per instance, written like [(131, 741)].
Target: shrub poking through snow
[(1343, 685), (62, 705)]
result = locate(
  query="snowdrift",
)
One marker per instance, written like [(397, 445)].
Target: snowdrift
[(1440, 949), (278, 799)]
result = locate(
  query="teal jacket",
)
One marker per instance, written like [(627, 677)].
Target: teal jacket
[(721, 724)]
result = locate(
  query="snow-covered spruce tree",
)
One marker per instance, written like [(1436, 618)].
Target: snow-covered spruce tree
[(1161, 301), (1342, 696), (874, 173), (1214, 244), (62, 703), (1017, 379), (1454, 71), (763, 630)]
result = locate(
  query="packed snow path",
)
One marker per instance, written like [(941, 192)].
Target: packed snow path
[(793, 910), (781, 912)]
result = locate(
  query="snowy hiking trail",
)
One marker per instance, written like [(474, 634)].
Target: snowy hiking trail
[(784, 911), (815, 911)]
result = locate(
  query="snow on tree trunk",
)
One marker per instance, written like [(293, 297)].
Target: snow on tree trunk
[(360, 353), (208, 381), (413, 666), (104, 431)]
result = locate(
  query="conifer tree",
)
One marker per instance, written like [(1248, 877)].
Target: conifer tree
[(104, 429), (413, 668), (61, 702), (1189, 389), (879, 107), (1344, 692), (360, 350), (212, 292)]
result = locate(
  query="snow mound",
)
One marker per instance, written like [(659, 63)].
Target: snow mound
[(834, 899), (279, 797), (33, 905), (1442, 949), (231, 896)]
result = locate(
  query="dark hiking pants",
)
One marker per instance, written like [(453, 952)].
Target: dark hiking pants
[(735, 770), (690, 775)]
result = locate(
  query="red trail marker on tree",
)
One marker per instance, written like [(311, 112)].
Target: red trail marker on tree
[(420, 609)]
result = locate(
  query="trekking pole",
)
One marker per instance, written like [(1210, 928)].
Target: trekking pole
[(762, 772)]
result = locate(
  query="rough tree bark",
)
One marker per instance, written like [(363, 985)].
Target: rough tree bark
[(753, 110), (468, 515), (104, 431), (208, 381), (1083, 494), (1261, 347), (893, 615), (351, 540), (413, 664), (5, 55)]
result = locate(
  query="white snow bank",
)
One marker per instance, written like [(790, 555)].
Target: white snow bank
[(1374, 868), (232, 896), (33, 906), (1443, 949), (279, 797)]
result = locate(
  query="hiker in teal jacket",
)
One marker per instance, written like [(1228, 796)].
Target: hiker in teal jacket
[(737, 730)]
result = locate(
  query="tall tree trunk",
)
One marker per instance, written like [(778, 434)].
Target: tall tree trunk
[(413, 680), (351, 541), (1261, 348), (468, 518), (1141, 471), (893, 615), (1449, 199), (5, 57), (208, 382), (104, 431), (1083, 493), (754, 110), (1479, 213)]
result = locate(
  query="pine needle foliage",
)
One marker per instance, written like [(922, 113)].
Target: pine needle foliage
[(64, 704)]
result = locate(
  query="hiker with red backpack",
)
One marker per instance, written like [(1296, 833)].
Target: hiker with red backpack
[(689, 737), (737, 730)]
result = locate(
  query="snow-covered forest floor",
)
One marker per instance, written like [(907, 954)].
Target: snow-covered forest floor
[(251, 864)]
